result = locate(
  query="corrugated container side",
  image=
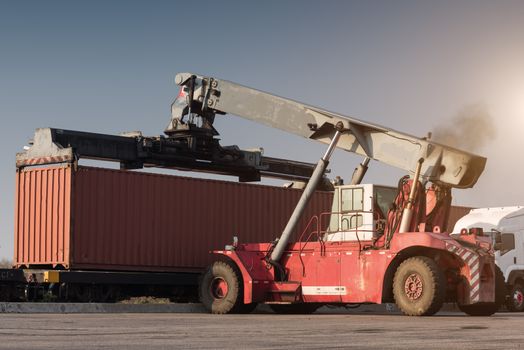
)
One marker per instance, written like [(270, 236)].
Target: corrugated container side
[(132, 220), (42, 216)]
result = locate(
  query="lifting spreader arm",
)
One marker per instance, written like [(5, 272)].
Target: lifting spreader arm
[(206, 97)]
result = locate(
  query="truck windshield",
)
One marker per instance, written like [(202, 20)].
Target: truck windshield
[(384, 197)]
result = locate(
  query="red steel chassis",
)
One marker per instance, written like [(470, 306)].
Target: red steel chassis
[(350, 272)]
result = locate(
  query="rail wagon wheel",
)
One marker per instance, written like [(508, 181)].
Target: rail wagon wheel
[(107, 293), (488, 309), (221, 289), (516, 298), (5, 292), (419, 286), (80, 293), (302, 308)]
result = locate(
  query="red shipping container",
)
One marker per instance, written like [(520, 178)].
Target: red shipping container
[(102, 219)]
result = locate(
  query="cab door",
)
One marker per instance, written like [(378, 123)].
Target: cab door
[(356, 212)]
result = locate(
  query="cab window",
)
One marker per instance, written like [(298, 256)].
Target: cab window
[(384, 197), (352, 199)]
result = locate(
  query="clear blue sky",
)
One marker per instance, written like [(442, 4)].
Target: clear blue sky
[(108, 66)]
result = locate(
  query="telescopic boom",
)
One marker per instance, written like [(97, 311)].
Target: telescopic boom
[(205, 97)]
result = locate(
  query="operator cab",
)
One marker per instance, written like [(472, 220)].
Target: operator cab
[(358, 212)]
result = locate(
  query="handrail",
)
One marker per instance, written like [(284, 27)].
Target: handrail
[(318, 220), (329, 214), (356, 230), (313, 218)]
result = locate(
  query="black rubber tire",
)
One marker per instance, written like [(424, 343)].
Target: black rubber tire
[(246, 308), (515, 302), (488, 309), (433, 288), (233, 301), (294, 309)]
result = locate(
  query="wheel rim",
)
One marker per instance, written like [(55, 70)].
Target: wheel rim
[(518, 298), (219, 288), (413, 286)]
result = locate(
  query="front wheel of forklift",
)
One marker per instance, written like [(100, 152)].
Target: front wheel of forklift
[(419, 286), (221, 289)]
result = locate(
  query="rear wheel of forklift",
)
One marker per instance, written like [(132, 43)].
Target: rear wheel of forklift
[(221, 289), (419, 286), (488, 309)]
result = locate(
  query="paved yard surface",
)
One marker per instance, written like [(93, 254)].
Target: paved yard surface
[(260, 331)]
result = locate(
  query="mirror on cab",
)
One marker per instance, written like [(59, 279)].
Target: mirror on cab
[(503, 242)]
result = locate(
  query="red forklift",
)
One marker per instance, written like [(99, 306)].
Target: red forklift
[(377, 245)]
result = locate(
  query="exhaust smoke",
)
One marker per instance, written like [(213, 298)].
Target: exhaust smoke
[(470, 129)]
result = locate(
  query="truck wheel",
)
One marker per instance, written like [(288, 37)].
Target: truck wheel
[(488, 309), (516, 298), (419, 286), (221, 289), (296, 309)]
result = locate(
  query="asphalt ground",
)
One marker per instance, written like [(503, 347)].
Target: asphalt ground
[(342, 329)]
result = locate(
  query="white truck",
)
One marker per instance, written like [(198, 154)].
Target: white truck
[(510, 222)]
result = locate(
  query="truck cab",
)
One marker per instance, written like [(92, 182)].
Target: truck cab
[(509, 223)]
